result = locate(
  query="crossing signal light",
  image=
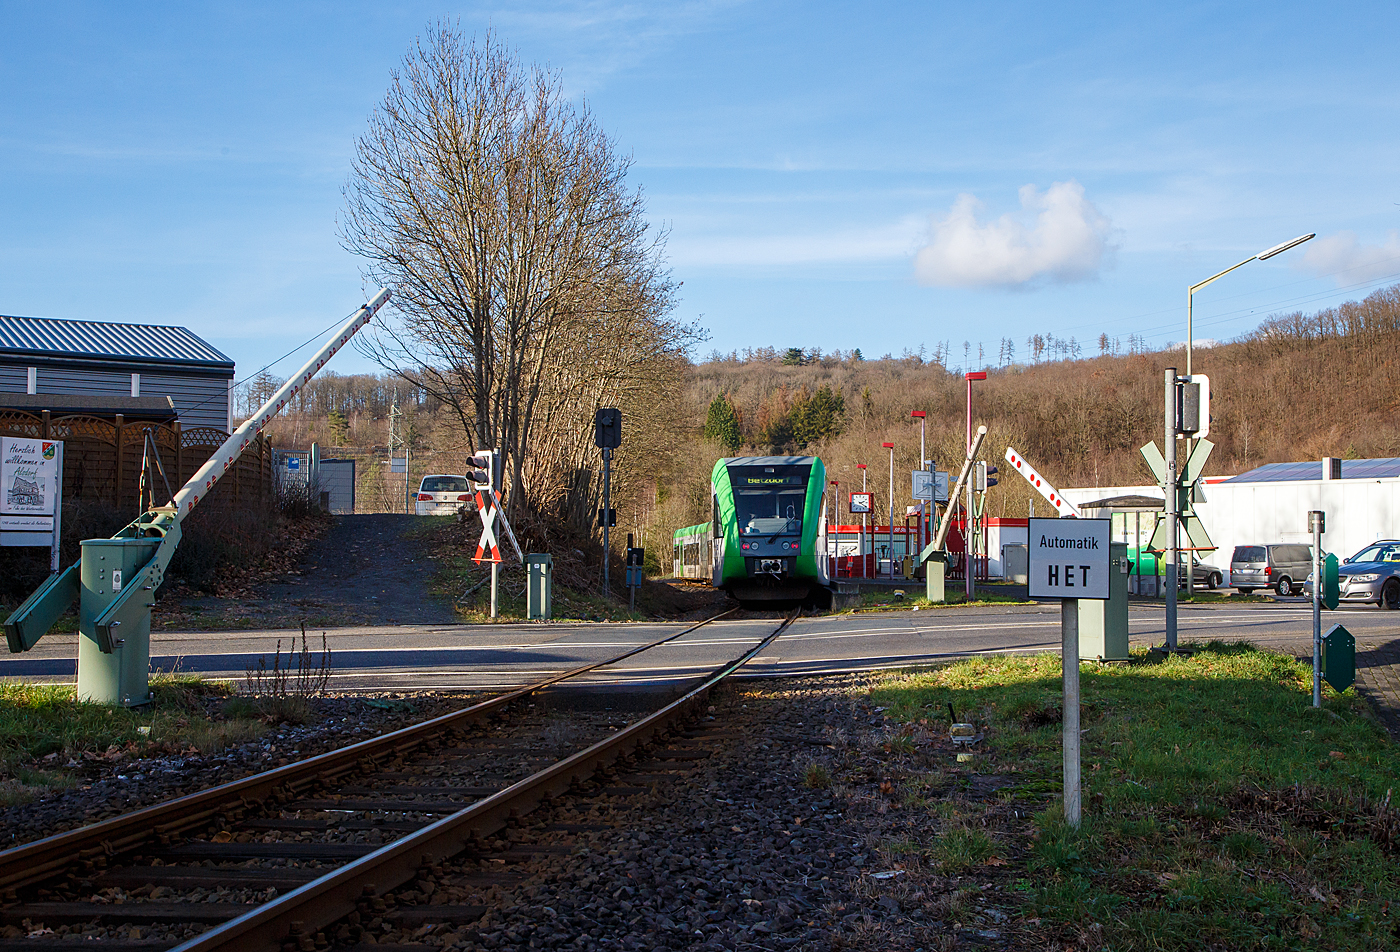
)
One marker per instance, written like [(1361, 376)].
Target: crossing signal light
[(482, 470), (982, 479), (611, 517), (607, 428)]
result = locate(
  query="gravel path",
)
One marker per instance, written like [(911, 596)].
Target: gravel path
[(370, 569)]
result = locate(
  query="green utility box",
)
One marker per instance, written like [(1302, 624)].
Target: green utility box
[(934, 570), (1103, 625), (1339, 658), (539, 589), (121, 676)]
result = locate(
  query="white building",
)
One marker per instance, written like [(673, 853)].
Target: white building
[(1271, 503)]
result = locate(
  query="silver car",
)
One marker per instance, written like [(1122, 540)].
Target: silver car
[(1371, 575), (443, 495)]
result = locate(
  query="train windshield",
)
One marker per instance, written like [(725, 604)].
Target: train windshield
[(769, 500)]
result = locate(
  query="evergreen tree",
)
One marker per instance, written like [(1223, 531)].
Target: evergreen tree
[(339, 427), (818, 417), (793, 357), (856, 355), (722, 424)]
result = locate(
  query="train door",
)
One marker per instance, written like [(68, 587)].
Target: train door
[(717, 540)]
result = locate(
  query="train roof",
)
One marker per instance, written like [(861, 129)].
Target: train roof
[(769, 460), (695, 530)]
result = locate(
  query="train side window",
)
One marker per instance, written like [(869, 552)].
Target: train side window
[(714, 512)]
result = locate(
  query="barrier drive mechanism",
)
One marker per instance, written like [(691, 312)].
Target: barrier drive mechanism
[(115, 579)]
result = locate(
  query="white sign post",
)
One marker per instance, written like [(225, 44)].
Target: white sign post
[(31, 493), (1069, 560)]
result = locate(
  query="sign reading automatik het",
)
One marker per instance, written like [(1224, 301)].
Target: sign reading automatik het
[(1068, 558)]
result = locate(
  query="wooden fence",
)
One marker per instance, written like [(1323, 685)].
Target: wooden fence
[(102, 457)]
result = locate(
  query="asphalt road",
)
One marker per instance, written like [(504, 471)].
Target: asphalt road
[(423, 657)]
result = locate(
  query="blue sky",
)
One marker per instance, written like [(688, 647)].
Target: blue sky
[(832, 175)]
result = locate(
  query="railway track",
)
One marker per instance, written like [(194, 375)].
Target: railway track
[(360, 837)]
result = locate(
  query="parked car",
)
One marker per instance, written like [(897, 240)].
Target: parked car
[(1371, 575), (1202, 573), (442, 495), (1282, 567)]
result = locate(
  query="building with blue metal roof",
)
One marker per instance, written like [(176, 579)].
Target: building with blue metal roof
[(1382, 468), (109, 363)]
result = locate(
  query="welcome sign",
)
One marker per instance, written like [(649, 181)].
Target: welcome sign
[(30, 470)]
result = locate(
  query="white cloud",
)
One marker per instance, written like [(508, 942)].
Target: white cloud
[(1344, 259), (1069, 240)]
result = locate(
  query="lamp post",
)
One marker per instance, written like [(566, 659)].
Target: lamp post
[(861, 467), (1261, 256), (923, 464), (1169, 473), (969, 377), (890, 447)]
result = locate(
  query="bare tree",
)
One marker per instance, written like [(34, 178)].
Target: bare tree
[(500, 212)]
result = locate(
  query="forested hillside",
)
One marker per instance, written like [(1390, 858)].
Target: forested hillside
[(1302, 386)]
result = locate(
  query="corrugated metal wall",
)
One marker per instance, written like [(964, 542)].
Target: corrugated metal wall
[(199, 400)]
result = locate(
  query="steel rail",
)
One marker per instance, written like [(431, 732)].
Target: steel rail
[(317, 904), (41, 859)]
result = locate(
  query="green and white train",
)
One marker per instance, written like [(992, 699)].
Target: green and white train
[(766, 538)]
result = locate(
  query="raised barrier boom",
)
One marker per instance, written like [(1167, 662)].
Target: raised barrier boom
[(115, 579)]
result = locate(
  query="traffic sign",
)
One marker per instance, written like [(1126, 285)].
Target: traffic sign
[(1339, 658), (1069, 558), (488, 549), (1331, 585), (932, 487), (1155, 461), (1191, 527), (1196, 462)]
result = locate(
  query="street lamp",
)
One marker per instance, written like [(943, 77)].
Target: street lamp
[(923, 464), (969, 377), (1261, 256), (1169, 473), (861, 467), (890, 447)]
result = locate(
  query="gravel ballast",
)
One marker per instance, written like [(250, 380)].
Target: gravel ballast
[(812, 824)]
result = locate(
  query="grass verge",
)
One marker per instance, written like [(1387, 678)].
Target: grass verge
[(1220, 810), (48, 737), (886, 601)]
